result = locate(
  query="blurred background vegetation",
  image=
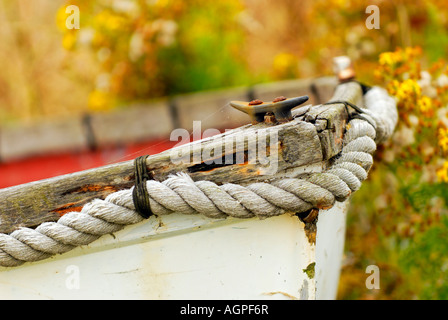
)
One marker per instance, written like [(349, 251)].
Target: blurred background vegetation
[(129, 50)]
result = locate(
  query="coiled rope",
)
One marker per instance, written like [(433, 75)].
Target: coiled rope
[(180, 194)]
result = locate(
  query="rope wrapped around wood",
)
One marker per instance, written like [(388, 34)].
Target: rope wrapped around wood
[(180, 194)]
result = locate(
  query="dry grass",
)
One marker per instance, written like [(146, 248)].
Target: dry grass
[(38, 78)]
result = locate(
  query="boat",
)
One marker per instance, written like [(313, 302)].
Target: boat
[(280, 235)]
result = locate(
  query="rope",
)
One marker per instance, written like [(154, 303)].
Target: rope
[(140, 192), (180, 194)]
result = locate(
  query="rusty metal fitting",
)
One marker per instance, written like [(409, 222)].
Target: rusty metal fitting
[(343, 68), (309, 216), (269, 118), (278, 99), (255, 102), (280, 108)]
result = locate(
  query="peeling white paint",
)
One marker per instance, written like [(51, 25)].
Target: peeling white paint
[(184, 257), (330, 241)]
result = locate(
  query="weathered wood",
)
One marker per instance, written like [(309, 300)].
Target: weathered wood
[(291, 148), (324, 88), (134, 123), (47, 200), (151, 119), (330, 119), (42, 138)]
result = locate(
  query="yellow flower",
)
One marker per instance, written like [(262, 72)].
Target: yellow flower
[(69, 40), (401, 64), (393, 86), (109, 21), (388, 58), (61, 17), (443, 139), (285, 65), (99, 100), (425, 104), (408, 92), (412, 52), (442, 173)]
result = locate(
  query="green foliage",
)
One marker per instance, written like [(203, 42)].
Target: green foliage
[(398, 219), (435, 38), (129, 50), (149, 49), (208, 54), (426, 261)]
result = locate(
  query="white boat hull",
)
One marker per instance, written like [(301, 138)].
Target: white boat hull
[(193, 257)]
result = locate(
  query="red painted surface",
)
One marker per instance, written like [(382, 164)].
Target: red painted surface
[(47, 166)]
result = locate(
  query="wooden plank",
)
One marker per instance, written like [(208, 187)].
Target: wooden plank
[(134, 123), (42, 138), (228, 157), (152, 120), (323, 88), (297, 145), (330, 119)]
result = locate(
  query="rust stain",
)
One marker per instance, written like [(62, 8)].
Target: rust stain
[(247, 169), (245, 163), (95, 188), (269, 118), (309, 218), (339, 140), (323, 203), (310, 231), (323, 206), (278, 99), (255, 102), (69, 207), (99, 192)]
